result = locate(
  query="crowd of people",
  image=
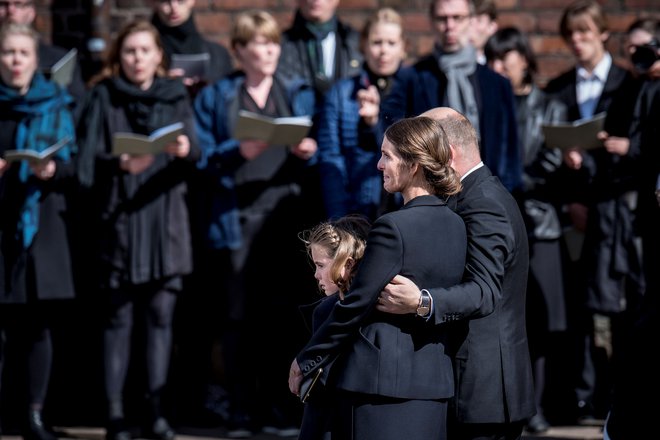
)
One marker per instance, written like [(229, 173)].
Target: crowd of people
[(471, 274)]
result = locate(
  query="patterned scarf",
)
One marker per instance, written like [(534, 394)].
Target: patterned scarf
[(457, 66), (46, 120)]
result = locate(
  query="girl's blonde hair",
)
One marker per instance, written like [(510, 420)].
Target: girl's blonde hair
[(343, 240)]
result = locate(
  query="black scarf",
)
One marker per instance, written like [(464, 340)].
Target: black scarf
[(382, 83), (146, 111), (184, 38)]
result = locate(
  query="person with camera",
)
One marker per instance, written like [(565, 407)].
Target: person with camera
[(632, 414), (604, 280)]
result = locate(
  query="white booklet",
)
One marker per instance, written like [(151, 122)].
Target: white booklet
[(62, 71), (34, 155), (581, 133), (136, 144), (275, 131), (196, 65)]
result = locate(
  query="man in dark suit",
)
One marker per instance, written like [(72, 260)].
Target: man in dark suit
[(494, 387), (319, 47), (450, 76)]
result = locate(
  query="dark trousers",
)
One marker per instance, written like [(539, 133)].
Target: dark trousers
[(485, 431), (369, 417)]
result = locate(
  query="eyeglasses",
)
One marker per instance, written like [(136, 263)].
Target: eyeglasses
[(15, 5), (444, 19)]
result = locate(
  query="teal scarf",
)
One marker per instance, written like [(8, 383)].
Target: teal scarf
[(46, 119)]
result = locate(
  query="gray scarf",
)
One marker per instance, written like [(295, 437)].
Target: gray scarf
[(457, 67)]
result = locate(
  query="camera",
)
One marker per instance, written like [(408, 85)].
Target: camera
[(645, 55)]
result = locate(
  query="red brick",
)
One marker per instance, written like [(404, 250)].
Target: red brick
[(355, 20), (245, 4), (213, 22), (646, 4), (549, 22), (548, 45), (543, 4), (359, 4), (620, 22), (506, 4), (526, 22), (416, 22)]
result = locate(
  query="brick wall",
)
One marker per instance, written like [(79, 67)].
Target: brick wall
[(71, 22)]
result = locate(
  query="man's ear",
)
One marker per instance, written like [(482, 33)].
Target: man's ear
[(453, 155)]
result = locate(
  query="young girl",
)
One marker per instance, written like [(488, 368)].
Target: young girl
[(335, 248)]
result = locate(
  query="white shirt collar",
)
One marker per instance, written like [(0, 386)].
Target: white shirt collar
[(600, 71), (474, 168)]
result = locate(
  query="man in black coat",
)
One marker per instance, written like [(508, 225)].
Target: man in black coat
[(597, 187), (494, 388), (318, 47)]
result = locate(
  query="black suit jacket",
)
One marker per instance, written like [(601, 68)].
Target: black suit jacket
[(610, 262), (394, 355), (493, 368)]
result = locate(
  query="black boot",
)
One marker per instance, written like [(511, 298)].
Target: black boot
[(158, 428), (36, 430), (116, 428)]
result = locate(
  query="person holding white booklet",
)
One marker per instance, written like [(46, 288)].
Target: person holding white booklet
[(35, 196), (258, 205), (141, 222)]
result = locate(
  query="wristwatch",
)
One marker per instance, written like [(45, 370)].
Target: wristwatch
[(424, 306)]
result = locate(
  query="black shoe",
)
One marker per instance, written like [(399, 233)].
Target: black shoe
[(36, 430), (160, 430), (537, 424), (585, 414), (116, 430), (239, 425), (280, 425)]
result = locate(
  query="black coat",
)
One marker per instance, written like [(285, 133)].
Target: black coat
[(398, 356), (492, 366), (295, 61), (612, 269), (43, 270), (143, 227)]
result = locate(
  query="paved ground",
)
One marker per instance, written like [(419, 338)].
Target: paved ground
[(555, 433)]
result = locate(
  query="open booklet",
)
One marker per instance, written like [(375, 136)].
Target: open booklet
[(34, 155), (196, 65), (581, 133), (62, 71), (137, 144), (275, 131)]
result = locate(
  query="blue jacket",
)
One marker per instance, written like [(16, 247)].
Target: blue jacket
[(348, 153), (422, 87), (216, 109)]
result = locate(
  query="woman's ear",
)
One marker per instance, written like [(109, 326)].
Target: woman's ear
[(349, 264)]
